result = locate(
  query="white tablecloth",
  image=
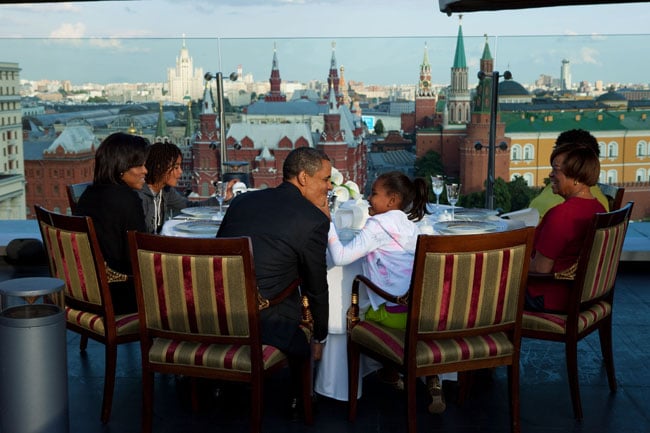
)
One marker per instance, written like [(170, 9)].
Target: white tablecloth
[(332, 371), (168, 229)]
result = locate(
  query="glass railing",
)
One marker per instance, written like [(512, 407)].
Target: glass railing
[(382, 74)]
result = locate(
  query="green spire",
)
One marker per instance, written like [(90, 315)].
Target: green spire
[(459, 58), (161, 127), (189, 126), (487, 55)]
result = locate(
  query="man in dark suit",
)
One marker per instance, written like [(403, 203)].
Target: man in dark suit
[(288, 226)]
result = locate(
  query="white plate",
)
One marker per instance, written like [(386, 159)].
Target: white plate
[(469, 227), (204, 212), (198, 227), (474, 214)]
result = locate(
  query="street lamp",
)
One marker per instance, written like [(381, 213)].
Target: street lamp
[(489, 190), (218, 76)]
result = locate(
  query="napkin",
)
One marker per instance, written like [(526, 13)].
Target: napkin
[(239, 188), (351, 214), (529, 216)]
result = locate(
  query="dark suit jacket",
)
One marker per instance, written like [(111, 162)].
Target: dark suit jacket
[(289, 236)]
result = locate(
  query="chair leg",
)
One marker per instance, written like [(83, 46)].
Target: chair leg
[(109, 380), (465, 383), (147, 401), (513, 382), (411, 407), (605, 335), (83, 343), (353, 379), (571, 349), (257, 392)]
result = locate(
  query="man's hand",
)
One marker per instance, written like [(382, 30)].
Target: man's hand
[(318, 351)]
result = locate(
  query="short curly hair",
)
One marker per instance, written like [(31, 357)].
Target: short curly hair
[(161, 159)]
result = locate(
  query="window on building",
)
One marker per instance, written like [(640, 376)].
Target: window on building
[(529, 178), (602, 149), (640, 175), (602, 177), (641, 148), (612, 176), (515, 153), (529, 152), (612, 150)]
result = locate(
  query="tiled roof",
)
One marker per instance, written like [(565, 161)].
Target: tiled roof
[(592, 121), (293, 108), (74, 139), (269, 135)]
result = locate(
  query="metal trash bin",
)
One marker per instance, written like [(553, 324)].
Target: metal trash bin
[(33, 364)]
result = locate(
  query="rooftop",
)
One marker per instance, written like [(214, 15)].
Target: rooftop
[(545, 401)]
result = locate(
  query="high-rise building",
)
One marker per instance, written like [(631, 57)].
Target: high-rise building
[(12, 172), (183, 80), (565, 75)]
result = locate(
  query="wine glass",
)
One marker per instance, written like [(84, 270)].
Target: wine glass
[(436, 185), (220, 194), (453, 191)]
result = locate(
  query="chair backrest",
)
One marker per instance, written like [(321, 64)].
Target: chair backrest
[(74, 192), (599, 259), (196, 289), (75, 257), (614, 195), (468, 282)]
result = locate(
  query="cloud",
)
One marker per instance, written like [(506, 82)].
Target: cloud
[(69, 31), (589, 56)]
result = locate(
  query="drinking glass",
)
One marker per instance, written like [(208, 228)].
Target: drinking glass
[(436, 185), (453, 191), (220, 194)]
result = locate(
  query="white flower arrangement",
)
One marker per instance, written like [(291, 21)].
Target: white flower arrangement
[(343, 191)]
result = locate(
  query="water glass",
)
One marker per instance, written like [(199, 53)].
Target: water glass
[(436, 185), (220, 194), (453, 193)]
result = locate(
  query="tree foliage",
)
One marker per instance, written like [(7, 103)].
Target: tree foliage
[(430, 165), (379, 127)]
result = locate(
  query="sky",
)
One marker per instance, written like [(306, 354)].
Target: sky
[(378, 41)]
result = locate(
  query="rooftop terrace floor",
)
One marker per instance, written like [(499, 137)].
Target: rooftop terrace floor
[(545, 401)]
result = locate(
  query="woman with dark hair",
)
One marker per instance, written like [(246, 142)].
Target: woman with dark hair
[(560, 235), (115, 207), (159, 194)]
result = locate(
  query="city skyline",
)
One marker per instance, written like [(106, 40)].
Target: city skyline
[(68, 44)]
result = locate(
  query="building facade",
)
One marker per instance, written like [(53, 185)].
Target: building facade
[(184, 80), (12, 171)]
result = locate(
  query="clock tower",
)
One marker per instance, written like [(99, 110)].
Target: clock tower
[(425, 99)]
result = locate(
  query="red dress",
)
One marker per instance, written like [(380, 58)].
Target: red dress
[(559, 237)]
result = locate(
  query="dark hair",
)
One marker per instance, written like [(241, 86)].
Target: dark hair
[(414, 194), (117, 154), (580, 163), (306, 159), (578, 137), (161, 159)]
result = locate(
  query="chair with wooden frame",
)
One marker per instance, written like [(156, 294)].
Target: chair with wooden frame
[(591, 299), (614, 195), (199, 310), (75, 257), (74, 191), (464, 313)]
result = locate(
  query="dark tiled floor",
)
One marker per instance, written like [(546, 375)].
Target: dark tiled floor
[(545, 402)]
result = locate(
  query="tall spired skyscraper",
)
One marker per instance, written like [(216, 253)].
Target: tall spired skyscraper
[(184, 81)]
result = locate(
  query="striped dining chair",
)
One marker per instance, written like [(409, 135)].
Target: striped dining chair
[(590, 300), (75, 257), (464, 313), (199, 317)]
